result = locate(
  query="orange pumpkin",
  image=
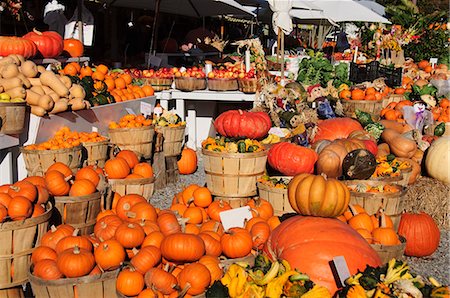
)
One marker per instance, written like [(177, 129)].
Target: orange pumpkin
[(74, 47), (188, 161), (358, 94)]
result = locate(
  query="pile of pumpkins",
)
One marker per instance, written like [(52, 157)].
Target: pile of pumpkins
[(45, 91)]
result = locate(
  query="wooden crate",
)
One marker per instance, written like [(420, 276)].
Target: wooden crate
[(222, 84), (373, 107), (96, 153), (98, 286), (392, 203), (190, 84), (248, 85), (18, 239), (140, 186), (165, 169), (79, 212), (12, 117), (233, 174), (38, 161), (173, 138), (138, 139), (389, 252), (277, 197)]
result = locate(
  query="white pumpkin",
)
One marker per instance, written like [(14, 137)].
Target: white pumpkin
[(438, 160)]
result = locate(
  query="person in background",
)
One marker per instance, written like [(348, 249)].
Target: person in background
[(342, 43)]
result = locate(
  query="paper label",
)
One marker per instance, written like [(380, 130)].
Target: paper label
[(235, 218), (146, 108), (433, 60), (341, 269), (94, 129), (130, 111)]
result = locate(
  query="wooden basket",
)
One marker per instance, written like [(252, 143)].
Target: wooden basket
[(96, 153), (190, 84), (392, 98), (401, 179), (429, 129), (173, 139), (392, 203), (222, 84), (373, 107), (160, 84), (389, 252), (18, 239), (234, 202), (16, 292), (79, 212), (248, 85), (233, 174), (38, 161), (98, 286), (12, 117), (141, 186), (139, 139), (277, 197)]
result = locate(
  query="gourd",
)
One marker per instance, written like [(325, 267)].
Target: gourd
[(317, 195), (301, 241), (291, 159), (395, 125), (243, 124), (49, 43), (399, 145), (359, 164), (438, 159)]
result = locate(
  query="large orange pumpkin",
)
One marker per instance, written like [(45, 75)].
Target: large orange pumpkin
[(290, 159), (336, 128), (188, 162), (74, 47), (242, 124), (318, 195), (18, 46), (310, 243), (49, 43)]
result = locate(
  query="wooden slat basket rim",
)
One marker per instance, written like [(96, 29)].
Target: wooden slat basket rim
[(401, 192), (125, 129), (51, 151), (274, 189), (189, 79), (73, 281), (133, 181), (29, 222), (234, 155), (12, 104), (107, 142), (361, 101), (74, 199), (160, 129)]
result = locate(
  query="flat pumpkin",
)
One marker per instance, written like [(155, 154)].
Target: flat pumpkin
[(336, 128), (243, 124), (310, 243), (290, 159)]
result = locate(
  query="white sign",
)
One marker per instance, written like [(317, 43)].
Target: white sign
[(341, 269), (146, 108), (235, 218), (433, 61), (94, 129)]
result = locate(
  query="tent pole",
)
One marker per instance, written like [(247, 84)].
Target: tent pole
[(282, 55), (155, 21), (80, 21), (278, 44)]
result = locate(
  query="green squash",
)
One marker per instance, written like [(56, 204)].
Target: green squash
[(217, 290)]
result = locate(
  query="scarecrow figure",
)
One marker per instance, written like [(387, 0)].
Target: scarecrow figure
[(315, 94)]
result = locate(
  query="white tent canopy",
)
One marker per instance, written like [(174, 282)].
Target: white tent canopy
[(340, 11), (193, 8), (373, 6)]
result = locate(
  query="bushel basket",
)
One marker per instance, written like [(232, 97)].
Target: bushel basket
[(96, 153), (389, 252), (222, 84), (139, 139), (173, 138), (139, 186), (277, 197), (372, 107), (12, 117), (190, 84)]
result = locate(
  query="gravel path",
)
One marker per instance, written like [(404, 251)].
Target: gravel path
[(436, 265)]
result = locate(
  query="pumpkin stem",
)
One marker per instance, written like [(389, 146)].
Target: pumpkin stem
[(353, 210), (131, 214), (135, 251), (126, 206), (184, 291), (68, 178), (53, 228), (130, 225), (37, 31), (75, 232), (76, 250)]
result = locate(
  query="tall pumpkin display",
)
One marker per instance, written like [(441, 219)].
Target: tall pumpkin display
[(336, 128), (74, 47), (49, 43), (310, 243), (318, 195), (438, 155), (421, 233), (290, 159), (243, 124), (188, 161), (17, 45)]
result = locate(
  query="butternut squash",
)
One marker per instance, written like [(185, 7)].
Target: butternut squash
[(38, 90), (11, 83), (6, 60), (48, 78), (18, 59), (18, 92), (41, 68), (398, 127), (46, 102), (38, 111), (54, 96), (25, 80), (47, 90), (59, 107), (29, 69), (66, 81), (383, 150), (35, 81), (77, 91), (32, 97), (77, 104), (10, 71), (398, 144)]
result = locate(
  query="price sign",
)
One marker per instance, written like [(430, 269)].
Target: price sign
[(130, 111), (235, 218), (146, 108)]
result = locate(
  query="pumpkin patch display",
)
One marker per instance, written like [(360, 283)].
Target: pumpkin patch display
[(318, 195), (290, 159), (243, 124)]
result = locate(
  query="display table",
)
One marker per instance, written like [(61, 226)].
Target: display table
[(95, 119), (199, 108)]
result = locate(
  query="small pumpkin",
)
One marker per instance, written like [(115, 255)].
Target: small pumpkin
[(56, 183), (20, 208), (125, 203), (82, 187), (55, 234), (147, 258), (260, 233), (154, 238), (130, 157), (106, 227), (43, 253), (142, 211), (290, 159), (168, 223), (69, 242), (188, 161), (62, 168), (130, 235), (182, 248), (88, 174), (161, 280), (74, 47), (144, 169), (117, 168), (23, 189), (75, 262), (216, 207), (195, 278), (318, 196), (47, 269), (130, 282), (385, 236), (213, 265), (260, 207), (236, 243), (202, 197), (213, 247)]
